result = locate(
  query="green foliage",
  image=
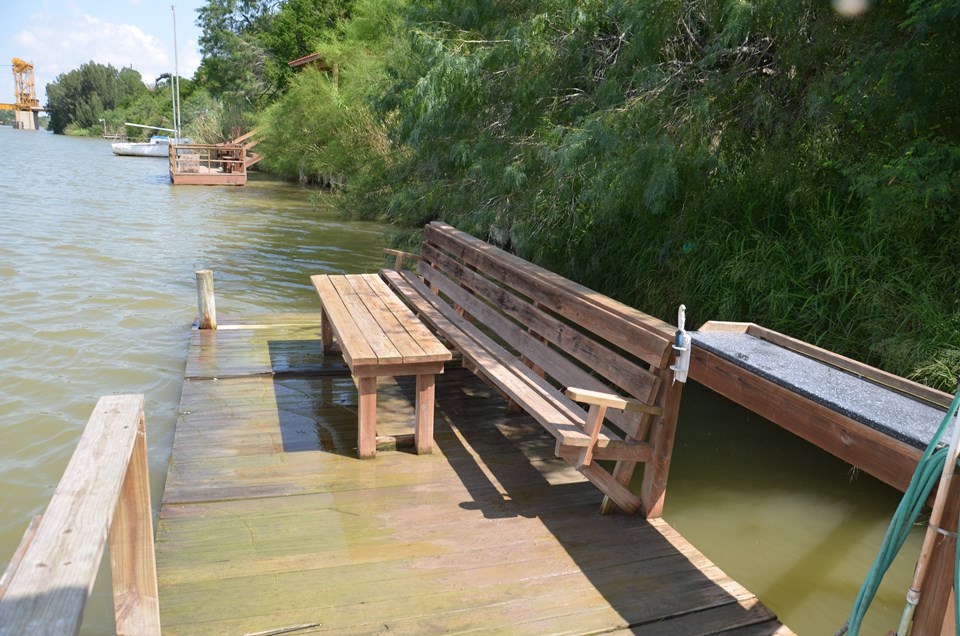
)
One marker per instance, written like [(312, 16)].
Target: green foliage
[(246, 46), (758, 161), (325, 127), (761, 161), (82, 96), (297, 29)]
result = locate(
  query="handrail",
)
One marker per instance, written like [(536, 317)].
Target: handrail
[(104, 491), (200, 158)]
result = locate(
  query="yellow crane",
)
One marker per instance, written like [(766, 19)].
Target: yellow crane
[(27, 107)]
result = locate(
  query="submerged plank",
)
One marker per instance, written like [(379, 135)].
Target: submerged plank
[(269, 522)]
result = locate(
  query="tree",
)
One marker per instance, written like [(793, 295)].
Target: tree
[(297, 30), (765, 161), (322, 126), (234, 57), (81, 96)]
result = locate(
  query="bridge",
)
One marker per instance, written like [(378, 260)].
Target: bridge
[(26, 107)]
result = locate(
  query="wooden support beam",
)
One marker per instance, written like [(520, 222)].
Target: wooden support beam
[(133, 564), (663, 432), (592, 428), (619, 451), (935, 614), (367, 414), (423, 433)]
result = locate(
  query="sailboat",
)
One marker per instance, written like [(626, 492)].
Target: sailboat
[(156, 146), (159, 145)]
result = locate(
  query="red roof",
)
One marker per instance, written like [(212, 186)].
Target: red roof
[(306, 59)]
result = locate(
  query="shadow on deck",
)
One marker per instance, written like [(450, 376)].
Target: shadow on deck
[(269, 522)]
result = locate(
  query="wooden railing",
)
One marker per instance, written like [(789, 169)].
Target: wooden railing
[(104, 492), (207, 159)]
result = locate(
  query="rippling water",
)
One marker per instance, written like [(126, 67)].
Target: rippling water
[(97, 295)]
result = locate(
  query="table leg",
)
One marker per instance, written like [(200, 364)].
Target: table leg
[(326, 332), (367, 407), (423, 433)]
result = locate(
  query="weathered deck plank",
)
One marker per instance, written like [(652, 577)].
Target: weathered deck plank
[(269, 521)]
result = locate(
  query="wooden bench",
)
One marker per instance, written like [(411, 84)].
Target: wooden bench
[(557, 345)]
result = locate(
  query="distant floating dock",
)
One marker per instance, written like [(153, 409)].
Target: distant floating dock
[(271, 525), (213, 164)]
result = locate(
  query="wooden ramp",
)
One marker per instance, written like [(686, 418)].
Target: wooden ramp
[(269, 523)]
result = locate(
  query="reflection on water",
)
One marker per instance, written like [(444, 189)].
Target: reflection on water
[(794, 525), (97, 261)]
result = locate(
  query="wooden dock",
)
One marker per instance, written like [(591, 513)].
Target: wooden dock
[(271, 525), (874, 420)]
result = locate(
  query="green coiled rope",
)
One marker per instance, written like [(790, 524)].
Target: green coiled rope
[(925, 477)]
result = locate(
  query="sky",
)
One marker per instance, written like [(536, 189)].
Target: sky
[(58, 36)]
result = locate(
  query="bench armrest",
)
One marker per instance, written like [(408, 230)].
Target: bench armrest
[(599, 403), (611, 400), (400, 255)]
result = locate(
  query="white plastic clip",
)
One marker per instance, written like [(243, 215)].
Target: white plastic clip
[(681, 348)]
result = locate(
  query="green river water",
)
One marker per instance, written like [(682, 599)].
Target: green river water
[(97, 262)]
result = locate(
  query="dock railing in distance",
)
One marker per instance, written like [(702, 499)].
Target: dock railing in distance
[(207, 159), (104, 492)]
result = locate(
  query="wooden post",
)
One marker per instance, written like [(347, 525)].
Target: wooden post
[(326, 332), (662, 434), (133, 563), (592, 428), (934, 613), (205, 299), (423, 433), (367, 417)]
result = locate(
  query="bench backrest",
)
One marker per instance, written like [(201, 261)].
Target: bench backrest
[(580, 337)]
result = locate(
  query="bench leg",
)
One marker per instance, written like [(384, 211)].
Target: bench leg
[(423, 433), (367, 426), (326, 333), (623, 474)]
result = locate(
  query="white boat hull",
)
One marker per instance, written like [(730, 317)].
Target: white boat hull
[(156, 147)]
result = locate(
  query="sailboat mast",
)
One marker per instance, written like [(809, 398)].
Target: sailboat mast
[(173, 103), (176, 75)]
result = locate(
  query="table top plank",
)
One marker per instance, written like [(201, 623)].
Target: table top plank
[(387, 320), (432, 348), (354, 346), (373, 326), (370, 331)]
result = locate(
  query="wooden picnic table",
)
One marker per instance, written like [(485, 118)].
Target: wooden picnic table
[(379, 336)]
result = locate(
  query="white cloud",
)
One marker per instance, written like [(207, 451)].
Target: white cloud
[(58, 45)]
